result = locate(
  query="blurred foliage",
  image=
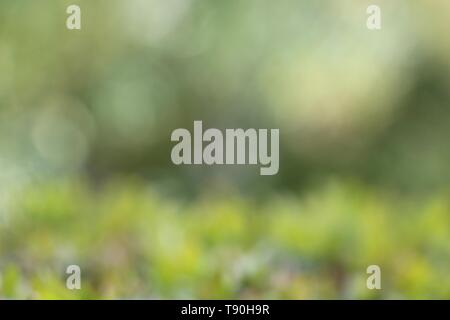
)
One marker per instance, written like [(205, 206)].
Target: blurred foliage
[(83, 111), (131, 242)]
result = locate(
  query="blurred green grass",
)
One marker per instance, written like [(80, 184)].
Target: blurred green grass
[(132, 242)]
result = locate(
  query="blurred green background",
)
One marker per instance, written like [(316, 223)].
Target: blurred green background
[(85, 170)]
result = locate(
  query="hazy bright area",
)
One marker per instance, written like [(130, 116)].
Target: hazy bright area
[(86, 176)]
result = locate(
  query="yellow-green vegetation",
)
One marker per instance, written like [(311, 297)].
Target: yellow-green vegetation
[(132, 242), (86, 176)]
